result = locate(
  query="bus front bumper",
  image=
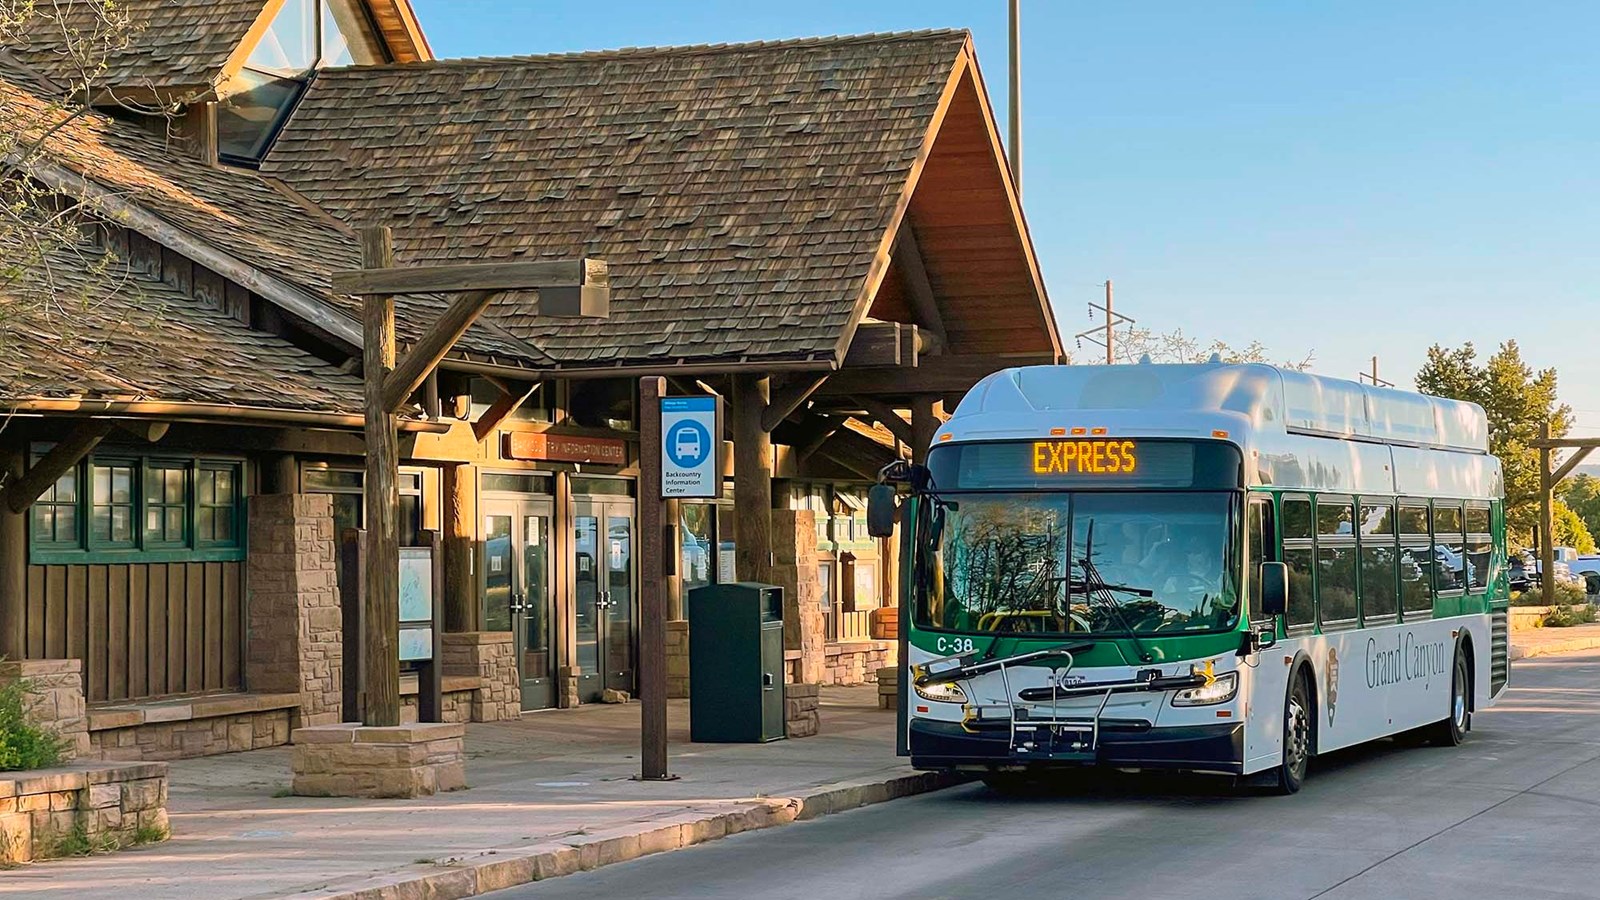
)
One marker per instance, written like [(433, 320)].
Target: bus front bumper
[(1132, 745)]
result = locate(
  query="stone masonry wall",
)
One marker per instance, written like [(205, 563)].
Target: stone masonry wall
[(194, 737), (857, 662), (295, 625), (455, 707), (55, 700), (677, 659), (794, 544), (490, 656), (112, 805), (801, 710)]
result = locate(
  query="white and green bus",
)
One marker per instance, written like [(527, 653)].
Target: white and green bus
[(1211, 568)]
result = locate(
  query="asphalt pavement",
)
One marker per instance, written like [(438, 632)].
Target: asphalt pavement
[(1513, 812)]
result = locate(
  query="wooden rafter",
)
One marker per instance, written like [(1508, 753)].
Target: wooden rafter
[(886, 416), (886, 344), (789, 398), (512, 276), (507, 403), (422, 359), (914, 273), (955, 374), (57, 462)]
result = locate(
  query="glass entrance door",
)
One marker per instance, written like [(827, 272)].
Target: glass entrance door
[(516, 597), (604, 597)]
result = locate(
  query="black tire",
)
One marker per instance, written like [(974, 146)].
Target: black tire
[(1452, 730), (1298, 737)]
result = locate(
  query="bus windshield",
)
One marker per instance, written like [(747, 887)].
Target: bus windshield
[(1080, 563)]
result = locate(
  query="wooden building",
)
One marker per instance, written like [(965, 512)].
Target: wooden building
[(824, 231)]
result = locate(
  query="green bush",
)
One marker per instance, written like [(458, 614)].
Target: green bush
[(1566, 616), (24, 745), (1566, 595)]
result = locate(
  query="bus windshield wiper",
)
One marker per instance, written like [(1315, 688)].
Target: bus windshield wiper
[(1096, 588)]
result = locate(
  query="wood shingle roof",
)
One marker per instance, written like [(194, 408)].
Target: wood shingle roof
[(739, 192)]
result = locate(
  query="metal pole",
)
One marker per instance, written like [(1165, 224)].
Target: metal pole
[(1547, 542), (1110, 326), (1015, 129)]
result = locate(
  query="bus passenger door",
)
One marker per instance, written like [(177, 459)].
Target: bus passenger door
[(1265, 678)]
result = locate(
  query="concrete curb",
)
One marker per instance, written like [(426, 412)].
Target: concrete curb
[(496, 870), (1552, 648)]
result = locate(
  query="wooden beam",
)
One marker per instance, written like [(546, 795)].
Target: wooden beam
[(461, 607), (509, 400), (13, 560), (884, 344), (888, 418), (752, 478), (925, 422), (830, 427), (1565, 443), (788, 398), (382, 602), (149, 432), (496, 276), (22, 493), (421, 359), (652, 586), (1569, 465), (914, 275), (952, 375)]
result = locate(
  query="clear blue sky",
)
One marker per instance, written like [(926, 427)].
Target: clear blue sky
[(1349, 178)]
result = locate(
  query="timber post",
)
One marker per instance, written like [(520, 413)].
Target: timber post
[(13, 560), (752, 478), (461, 611), (653, 588), (382, 597)]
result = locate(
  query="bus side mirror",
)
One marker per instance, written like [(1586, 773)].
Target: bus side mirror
[(1274, 588), (883, 507)]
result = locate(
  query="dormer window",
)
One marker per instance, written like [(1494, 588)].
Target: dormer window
[(306, 35)]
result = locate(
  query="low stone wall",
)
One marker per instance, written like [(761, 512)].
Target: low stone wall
[(55, 700), (350, 760), (856, 662), (677, 659), (801, 709), (490, 657), (456, 707), (192, 727), (49, 812), (888, 687)]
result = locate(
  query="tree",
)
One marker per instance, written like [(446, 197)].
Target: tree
[(1517, 401), (1132, 344), (1582, 495), (1570, 530)]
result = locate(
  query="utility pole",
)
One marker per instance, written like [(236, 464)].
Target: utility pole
[(1015, 130), (1372, 377), (1105, 335)]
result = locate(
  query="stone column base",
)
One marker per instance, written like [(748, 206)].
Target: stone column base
[(353, 760), (888, 687), (800, 709)]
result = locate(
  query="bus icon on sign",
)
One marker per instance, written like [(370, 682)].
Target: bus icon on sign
[(687, 444)]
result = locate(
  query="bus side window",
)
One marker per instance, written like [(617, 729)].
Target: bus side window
[(1298, 552), (1263, 543)]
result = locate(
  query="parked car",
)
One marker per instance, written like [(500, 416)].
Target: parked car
[(1587, 563), (1517, 572)]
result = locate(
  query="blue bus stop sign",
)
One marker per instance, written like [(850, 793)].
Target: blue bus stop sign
[(690, 439)]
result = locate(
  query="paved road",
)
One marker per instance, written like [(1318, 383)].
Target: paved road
[(1513, 813)]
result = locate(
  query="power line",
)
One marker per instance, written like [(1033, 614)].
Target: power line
[(1104, 335)]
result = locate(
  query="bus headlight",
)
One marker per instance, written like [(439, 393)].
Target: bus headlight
[(944, 692), (1225, 688)]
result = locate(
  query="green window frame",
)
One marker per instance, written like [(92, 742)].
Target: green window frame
[(130, 508)]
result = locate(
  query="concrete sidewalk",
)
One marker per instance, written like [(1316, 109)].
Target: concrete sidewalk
[(550, 794), (1531, 642)]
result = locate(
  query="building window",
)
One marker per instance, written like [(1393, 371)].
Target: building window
[(349, 501), (55, 515), (306, 35), (138, 509), (166, 504), (111, 512), (216, 501)]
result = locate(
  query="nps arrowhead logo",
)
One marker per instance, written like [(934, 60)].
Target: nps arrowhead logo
[(1332, 689)]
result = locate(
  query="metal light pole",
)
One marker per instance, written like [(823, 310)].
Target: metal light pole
[(1015, 129)]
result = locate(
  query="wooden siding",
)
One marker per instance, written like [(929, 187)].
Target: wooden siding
[(141, 629)]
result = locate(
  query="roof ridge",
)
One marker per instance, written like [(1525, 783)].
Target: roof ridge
[(646, 52)]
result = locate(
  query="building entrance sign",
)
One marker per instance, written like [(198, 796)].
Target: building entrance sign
[(691, 438)]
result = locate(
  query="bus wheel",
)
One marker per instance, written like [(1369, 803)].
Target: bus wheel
[(1296, 738), (1452, 730)]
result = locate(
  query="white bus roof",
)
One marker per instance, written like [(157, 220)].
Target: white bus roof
[(1281, 418)]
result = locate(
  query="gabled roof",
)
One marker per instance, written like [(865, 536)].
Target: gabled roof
[(182, 49), (158, 190), (741, 193), (138, 339)]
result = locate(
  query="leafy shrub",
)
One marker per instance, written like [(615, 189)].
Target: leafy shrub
[(1566, 595), (1566, 616), (24, 745)]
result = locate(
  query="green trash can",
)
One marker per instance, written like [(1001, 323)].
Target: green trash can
[(736, 663)]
